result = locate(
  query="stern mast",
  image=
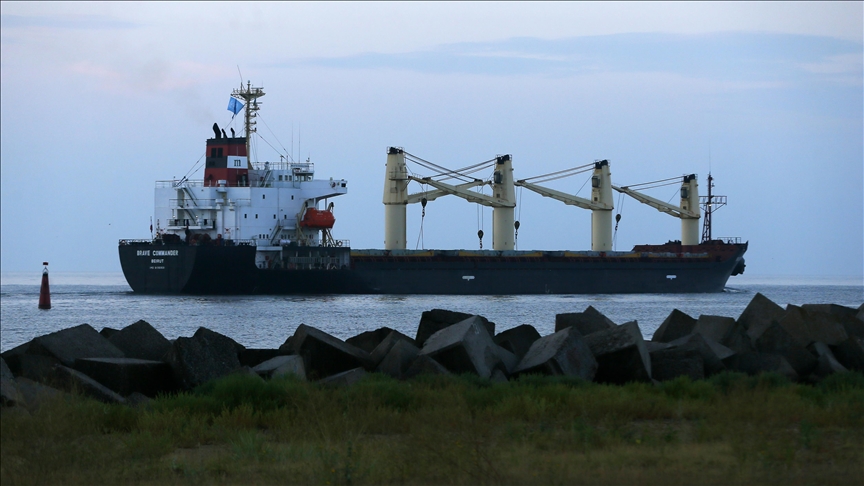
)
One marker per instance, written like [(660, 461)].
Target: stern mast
[(249, 95)]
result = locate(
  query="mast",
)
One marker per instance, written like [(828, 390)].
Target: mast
[(710, 204), (249, 95)]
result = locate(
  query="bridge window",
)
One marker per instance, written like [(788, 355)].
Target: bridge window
[(256, 216), (263, 196)]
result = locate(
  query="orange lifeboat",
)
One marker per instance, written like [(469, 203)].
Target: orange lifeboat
[(316, 219)]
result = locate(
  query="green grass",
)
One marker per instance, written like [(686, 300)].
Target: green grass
[(730, 429)]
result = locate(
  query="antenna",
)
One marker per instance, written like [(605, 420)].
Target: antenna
[(241, 75)]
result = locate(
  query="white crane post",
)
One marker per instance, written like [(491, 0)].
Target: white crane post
[(395, 199), (690, 202), (503, 217), (601, 219)]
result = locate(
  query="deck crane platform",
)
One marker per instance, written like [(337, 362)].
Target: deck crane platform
[(396, 197), (687, 210), (600, 204)]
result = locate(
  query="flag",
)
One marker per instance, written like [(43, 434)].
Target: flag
[(234, 106)]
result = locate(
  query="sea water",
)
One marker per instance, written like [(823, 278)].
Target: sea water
[(265, 321)]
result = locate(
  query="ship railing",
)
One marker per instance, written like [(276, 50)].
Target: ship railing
[(188, 203), (135, 242), (730, 240), (294, 167)]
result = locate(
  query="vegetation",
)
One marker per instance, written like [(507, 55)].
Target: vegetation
[(450, 430)]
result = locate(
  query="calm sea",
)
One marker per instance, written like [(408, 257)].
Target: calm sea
[(105, 300)]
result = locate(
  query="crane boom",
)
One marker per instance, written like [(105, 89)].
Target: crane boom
[(657, 204), (563, 197), (433, 195), (465, 194)]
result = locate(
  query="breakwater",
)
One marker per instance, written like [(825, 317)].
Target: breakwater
[(803, 343)]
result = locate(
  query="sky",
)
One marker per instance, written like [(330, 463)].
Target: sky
[(99, 100)]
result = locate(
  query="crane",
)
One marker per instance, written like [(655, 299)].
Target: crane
[(600, 203), (687, 210), (396, 198)]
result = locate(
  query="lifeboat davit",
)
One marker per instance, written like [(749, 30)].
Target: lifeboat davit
[(316, 219)]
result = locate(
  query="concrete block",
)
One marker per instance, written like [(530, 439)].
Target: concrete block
[(652, 346), (75, 342), (107, 332), (77, 382), (716, 328), (424, 365), (621, 354), (853, 326), (712, 352), (205, 356), (502, 359), (562, 353), (437, 319), (138, 400), (399, 358), (142, 341), (517, 340), (11, 356), (850, 353), (777, 340), (759, 314), (129, 375), (9, 394), (252, 357), (685, 360), (369, 340), (675, 326), (380, 352), (39, 368), (834, 309), (282, 365), (36, 394), (498, 376), (344, 378), (753, 363), (827, 363), (324, 355), (465, 347), (808, 327), (587, 322)]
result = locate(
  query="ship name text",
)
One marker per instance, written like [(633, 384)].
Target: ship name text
[(147, 253)]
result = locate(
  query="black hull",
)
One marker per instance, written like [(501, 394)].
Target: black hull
[(232, 270)]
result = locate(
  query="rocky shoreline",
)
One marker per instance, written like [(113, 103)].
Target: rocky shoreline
[(134, 364)]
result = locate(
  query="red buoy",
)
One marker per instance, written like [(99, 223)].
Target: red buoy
[(45, 292)]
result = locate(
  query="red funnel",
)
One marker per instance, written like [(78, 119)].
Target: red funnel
[(45, 291)]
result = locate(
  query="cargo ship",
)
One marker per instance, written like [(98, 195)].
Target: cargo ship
[(251, 227)]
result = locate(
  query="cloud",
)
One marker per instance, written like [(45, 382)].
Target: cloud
[(737, 56), (82, 22)]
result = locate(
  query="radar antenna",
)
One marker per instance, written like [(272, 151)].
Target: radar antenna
[(249, 95)]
